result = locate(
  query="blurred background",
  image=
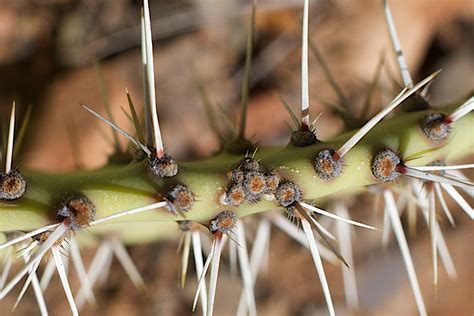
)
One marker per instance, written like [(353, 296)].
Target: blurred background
[(47, 51)]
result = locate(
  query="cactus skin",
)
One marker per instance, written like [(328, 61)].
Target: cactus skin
[(116, 187)]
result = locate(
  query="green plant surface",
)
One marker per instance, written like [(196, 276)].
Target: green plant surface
[(116, 188)]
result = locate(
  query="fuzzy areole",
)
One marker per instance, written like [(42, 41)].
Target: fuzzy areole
[(12, 185)]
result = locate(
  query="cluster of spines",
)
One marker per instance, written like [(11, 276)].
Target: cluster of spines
[(248, 182), (12, 183)]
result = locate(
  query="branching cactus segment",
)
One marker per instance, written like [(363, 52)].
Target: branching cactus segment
[(114, 189), (152, 197)]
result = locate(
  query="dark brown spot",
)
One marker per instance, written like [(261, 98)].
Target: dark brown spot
[(303, 138), (79, 210), (235, 195), (272, 182), (385, 165), (163, 167), (181, 196), (435, 126), (12, 185), (288, 193), (327, 164), (236, 176), (249, 164), (223, 222), (256, 184)]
